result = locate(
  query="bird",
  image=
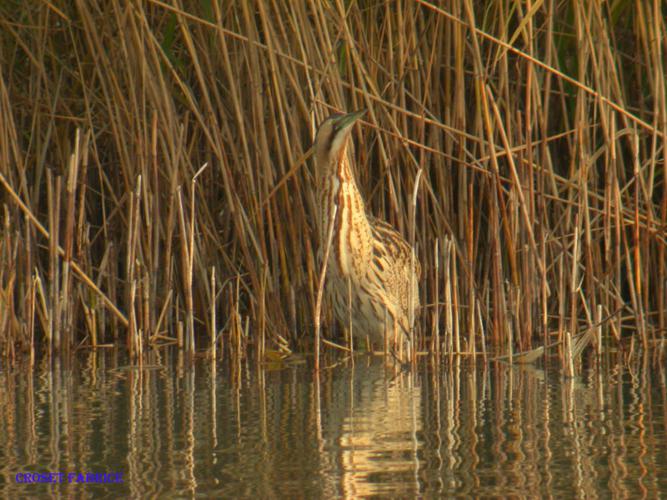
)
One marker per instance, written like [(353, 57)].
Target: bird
[(372, 274)]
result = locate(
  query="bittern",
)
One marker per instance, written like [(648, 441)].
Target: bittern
[(371, 272)]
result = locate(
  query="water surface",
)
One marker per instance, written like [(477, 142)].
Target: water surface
[(359, 429)]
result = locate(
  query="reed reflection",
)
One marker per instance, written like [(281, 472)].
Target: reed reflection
[(503, 430), (456, 429)]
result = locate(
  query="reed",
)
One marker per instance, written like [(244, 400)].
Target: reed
[(519, 145)]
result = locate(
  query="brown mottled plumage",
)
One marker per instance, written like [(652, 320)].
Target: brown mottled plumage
[(369, 270)]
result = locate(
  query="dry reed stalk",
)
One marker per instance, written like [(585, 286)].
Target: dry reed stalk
[(435, 319), (411, 231), (637, 246), (261, 347), (516, 139), (53, 187), (574, 282), (135, 345), (72, 180), (349, 332), (568, 366), (51, 238), (212, 325), (186, 260), (320, 287), (133, 340), (598, 332), (456, 333), (448, 341), (482, 334), (31, 320)]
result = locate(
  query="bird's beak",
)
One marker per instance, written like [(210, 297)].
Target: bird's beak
[(348, 120)]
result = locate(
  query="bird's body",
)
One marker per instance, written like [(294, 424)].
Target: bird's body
[(371, 273)]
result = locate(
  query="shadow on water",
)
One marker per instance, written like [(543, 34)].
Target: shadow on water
[(354, 430)]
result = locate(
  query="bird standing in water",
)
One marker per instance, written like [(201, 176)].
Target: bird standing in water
[(371, 280)]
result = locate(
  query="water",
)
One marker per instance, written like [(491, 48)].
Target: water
[(174, 429)]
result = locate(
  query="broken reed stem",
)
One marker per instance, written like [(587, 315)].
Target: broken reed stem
[(598, 332), (72, 180), (31, 319), (435, 324), (187, 276), (238, 325), (53, 188), (448, 342), (482, 335), (454, 280), (574, 282), (261, 348), (412, 353), (135, 344), (134, 331), (569, 357), (212, 331), (187, 259)]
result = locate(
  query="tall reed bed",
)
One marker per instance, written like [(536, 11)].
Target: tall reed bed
[(156, 186)]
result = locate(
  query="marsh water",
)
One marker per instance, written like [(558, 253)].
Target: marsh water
[(359, 429)]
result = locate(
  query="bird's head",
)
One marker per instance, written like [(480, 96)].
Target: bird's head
[(332, 137)]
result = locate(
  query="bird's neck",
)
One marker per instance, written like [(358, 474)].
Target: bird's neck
[(338, 188), (351, 226)]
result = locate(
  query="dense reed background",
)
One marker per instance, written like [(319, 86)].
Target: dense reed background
[(156, 187)]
